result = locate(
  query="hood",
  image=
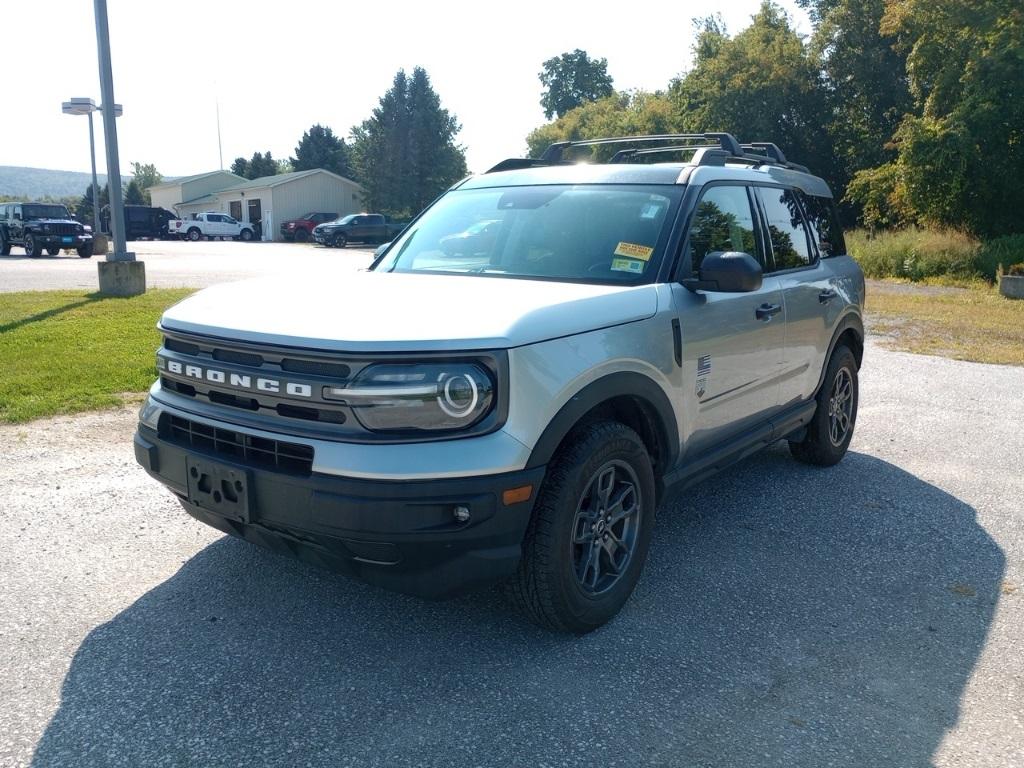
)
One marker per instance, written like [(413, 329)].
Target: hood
[(52, 221), (393, 312)]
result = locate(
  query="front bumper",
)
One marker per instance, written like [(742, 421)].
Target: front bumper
[(400, 535), (47, 240)]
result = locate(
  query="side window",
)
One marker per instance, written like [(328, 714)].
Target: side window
[(357, 220), (823, 221), (3, 213), (723, 221), (786, 232)]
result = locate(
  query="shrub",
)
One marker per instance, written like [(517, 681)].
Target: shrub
[(916, 254), (1003, 251), (1016, 270)]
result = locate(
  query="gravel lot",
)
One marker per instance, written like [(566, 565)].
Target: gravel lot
[(179, 263), (866, 615)]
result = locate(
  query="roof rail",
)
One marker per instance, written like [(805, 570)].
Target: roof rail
[(725, 140), (624, 155), (708, 148)]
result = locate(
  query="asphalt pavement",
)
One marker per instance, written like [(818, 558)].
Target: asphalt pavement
[(180, 263), (864, 615)]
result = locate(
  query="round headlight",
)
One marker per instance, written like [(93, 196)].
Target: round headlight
[(458, 395)]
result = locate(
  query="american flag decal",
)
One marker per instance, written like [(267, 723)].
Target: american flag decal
[(704, 365)]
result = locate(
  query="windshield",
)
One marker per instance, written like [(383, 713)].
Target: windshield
[(344, 219), (588, 233), (37, 211)]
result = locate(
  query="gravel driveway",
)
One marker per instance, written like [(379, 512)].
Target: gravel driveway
[(866, 615)]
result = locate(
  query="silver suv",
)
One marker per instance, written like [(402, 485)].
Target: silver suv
[(523, 376)]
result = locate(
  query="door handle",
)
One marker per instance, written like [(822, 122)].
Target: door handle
[(826, 296), (765, 311)]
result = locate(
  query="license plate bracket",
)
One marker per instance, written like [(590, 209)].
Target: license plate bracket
[(218, 488), (66, 239)]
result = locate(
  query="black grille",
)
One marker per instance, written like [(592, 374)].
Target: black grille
[(292, 458), (182, 347), (238, 358), (316, 368), (64, 229)]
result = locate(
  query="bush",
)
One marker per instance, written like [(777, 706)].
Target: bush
[(1016, 270), (916, 254), (1004, 251)]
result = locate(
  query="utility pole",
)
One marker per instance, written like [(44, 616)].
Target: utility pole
[(120, 274)]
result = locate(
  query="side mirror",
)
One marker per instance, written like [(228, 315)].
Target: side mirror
[(728, 272)]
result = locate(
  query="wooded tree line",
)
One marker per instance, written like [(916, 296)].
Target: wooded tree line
[(912, 110)]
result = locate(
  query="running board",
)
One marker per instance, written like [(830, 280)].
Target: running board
[(717, 459)]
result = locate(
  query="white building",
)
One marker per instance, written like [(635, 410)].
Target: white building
[(184, 192), (273, 200)]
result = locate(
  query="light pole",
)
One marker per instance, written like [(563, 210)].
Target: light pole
[(83, 106), (120, 274)]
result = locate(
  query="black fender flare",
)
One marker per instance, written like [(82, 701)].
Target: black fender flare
[(625, 383), (849, 321)]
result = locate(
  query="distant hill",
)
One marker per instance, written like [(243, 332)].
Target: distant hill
[(34, 183)]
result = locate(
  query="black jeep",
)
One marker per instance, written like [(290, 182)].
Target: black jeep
[(42, 226)]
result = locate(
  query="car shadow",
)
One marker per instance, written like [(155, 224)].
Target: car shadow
[(787, 616)]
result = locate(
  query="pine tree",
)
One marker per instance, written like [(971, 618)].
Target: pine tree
[(405, 154), (320, 148), (133, 194)]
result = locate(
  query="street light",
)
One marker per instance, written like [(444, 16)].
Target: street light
[(83, 106)]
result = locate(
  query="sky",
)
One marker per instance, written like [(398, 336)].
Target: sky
[(276, 68)]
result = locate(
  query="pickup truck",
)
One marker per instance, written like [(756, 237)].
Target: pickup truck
[(210, 225), (301, 229), (357, 228)]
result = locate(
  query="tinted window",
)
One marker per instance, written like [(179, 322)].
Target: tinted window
[(824, 224), (785, 229), (723, 221), (213, 217)]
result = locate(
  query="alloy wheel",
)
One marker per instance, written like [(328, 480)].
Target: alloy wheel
[(605, 528), (840, 407)]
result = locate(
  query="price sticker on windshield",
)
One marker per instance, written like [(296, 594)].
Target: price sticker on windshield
[(634, 251)]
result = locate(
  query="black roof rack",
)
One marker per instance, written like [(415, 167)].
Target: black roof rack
[(709, 149)]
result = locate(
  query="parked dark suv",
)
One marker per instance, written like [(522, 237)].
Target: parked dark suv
[(42, 226), (142, 222)]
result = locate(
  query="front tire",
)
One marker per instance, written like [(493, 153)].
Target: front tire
[(591, 527), (5, 247), (32, 248), (53, 251), (245, 235), (828, 435), (85, 251), (301, 236), (339, 241)]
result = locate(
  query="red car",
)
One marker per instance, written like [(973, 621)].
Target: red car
[(300, 230)]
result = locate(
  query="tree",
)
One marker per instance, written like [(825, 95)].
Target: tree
[(866, 83), (320, 148), (571, 80), (405, 153), (761, 85), (83, 209), (133, 194), (623, 114), (146, 176), (258, 166), (961, 157)]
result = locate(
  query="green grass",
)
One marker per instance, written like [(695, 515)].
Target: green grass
[(71, 351), (975, 324)]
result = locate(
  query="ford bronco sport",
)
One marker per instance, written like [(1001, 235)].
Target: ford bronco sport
[(519, 409), (42, 226)]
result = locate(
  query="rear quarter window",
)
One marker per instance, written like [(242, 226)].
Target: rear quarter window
[(823, 220)]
